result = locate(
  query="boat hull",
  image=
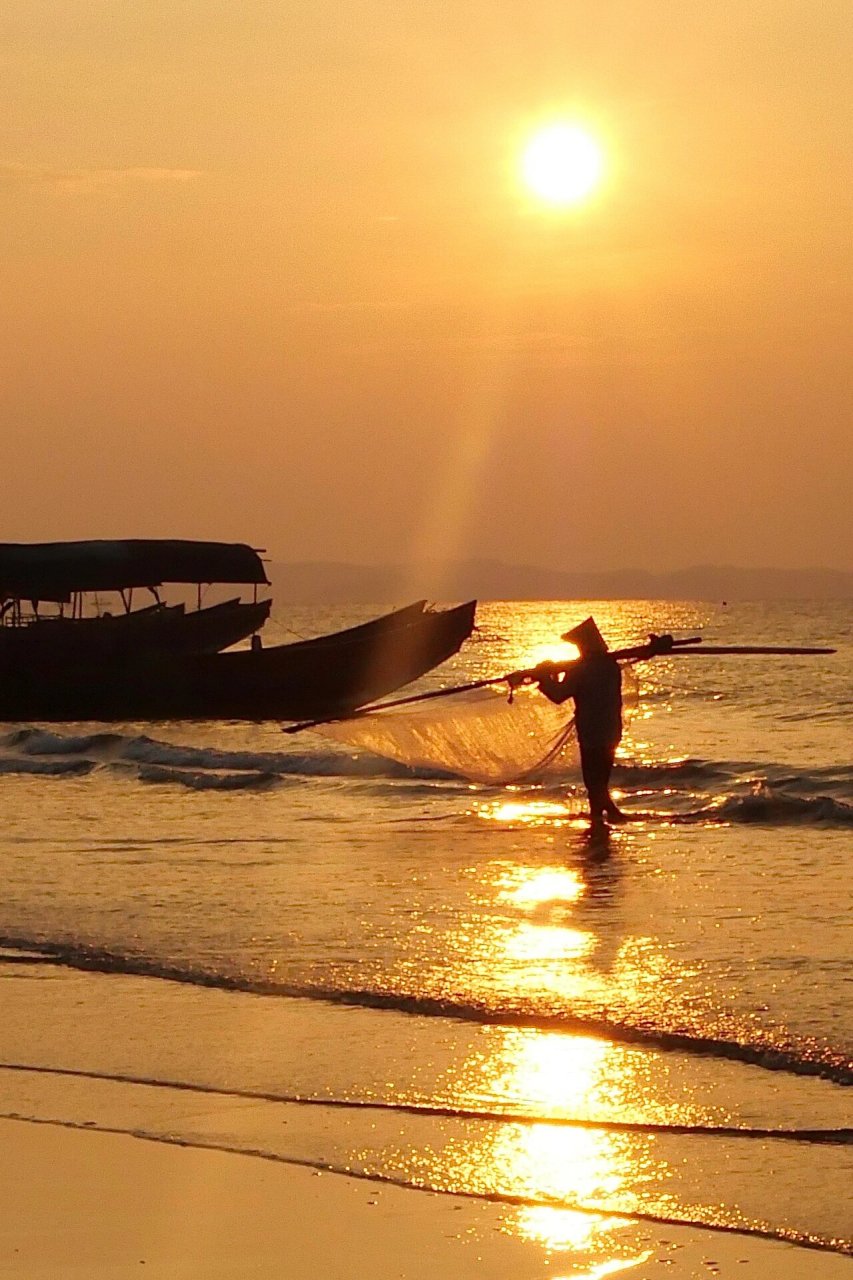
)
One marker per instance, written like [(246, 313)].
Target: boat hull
[(53, 644), (328, 676)]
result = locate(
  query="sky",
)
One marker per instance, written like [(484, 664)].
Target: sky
[(271, 274)]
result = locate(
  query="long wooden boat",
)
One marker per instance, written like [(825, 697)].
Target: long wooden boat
[(328, 676)]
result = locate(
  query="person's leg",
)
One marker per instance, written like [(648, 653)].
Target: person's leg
[(611, 808), (595, 777), (596, 767)]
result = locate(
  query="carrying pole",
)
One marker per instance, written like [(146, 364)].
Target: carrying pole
[(639, 653), (750, 648), (512, 678)]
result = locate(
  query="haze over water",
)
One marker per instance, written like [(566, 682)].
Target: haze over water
[(537, 1016), (280, 274)]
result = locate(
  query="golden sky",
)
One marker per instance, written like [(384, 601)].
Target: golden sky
[(271, 273)]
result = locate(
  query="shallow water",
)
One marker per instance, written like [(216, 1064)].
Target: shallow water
[(226, 907)]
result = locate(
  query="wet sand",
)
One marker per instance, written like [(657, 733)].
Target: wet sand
[(80, 1203)]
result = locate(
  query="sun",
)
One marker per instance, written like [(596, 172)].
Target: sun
[(562, 164)]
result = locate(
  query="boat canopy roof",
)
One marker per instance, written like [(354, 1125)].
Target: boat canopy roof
[(53, 571)]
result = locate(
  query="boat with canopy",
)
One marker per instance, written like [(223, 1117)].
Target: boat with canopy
[(67, 574)]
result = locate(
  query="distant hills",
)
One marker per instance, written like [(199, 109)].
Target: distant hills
[(324, 582)]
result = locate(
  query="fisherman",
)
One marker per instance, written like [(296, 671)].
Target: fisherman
[(594, 682)]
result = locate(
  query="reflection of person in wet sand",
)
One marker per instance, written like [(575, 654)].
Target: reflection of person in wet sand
[(594, 682)]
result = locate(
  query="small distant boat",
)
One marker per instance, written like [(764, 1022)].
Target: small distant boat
[(328, 676), (65, 573)]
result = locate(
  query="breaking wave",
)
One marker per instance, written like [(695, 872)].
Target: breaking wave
[(710, 773), (49, 768), (762, 806), (794, 1057), (767, 805), (690, 1217), (692, 790), (446, 1111), (200, 781), (142, 750), (46, 742)]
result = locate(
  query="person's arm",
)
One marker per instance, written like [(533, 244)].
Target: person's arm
[(557, 685), (656, 646)]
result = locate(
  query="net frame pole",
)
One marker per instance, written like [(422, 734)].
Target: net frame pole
[(639, 653), (511, 678)]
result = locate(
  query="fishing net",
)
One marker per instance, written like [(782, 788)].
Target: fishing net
[(480, 734)]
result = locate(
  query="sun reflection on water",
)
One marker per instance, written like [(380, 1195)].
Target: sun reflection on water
[(523, 885), (602, 1269), (534, 813), (549, 1070), (538, 944), (576, 1168)]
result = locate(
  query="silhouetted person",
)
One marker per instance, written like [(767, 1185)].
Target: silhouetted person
[(594, 682)]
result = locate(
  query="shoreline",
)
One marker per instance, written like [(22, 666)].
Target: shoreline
[(81, 1202)]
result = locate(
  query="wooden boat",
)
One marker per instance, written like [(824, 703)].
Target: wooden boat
[(328, 676), (217, 627), (169, 628), (62, 573)]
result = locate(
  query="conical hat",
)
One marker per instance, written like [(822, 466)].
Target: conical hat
[(587, 637)]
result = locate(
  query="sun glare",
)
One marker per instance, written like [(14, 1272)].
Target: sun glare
[(562, 164)]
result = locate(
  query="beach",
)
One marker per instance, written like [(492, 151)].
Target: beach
[(283, 1007)]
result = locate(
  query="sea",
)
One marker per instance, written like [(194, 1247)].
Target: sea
[(225, 936)]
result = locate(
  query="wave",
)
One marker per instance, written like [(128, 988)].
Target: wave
[(794, 1058), (44, 742), (142, 750), (765, 805), (819, 1137), (713, 772), (145, 750), (676, 771), (801, 1060), (50, 768), (779, 795), (197, 781), (314, 764), (696, 1218)]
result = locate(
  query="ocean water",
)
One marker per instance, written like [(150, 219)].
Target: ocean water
[(217, 934)]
